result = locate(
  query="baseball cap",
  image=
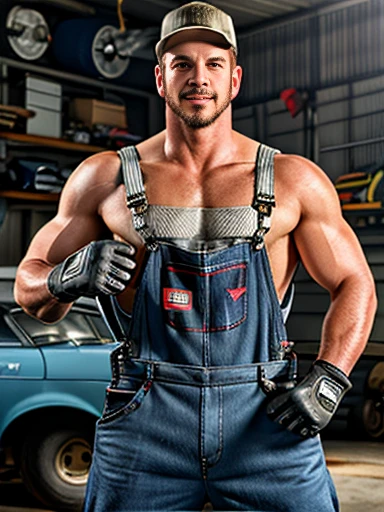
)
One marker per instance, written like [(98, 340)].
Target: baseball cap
[(201, 16)]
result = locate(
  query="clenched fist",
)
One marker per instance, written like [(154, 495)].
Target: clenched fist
[(105, 266)]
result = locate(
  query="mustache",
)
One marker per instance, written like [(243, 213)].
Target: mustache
[(198, 92)]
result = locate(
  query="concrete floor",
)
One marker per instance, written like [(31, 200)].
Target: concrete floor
[(359, 494), (357, 469)]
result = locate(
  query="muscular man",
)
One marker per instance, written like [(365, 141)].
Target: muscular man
[(201, 406)]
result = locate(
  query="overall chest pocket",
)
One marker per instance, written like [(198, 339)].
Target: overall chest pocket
[(205, 300)]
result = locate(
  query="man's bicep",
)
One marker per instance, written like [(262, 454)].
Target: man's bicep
[(62, 236), (328, 247), (77, 221)]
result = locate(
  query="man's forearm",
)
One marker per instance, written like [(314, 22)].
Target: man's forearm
[(348, 322), (32, 294)]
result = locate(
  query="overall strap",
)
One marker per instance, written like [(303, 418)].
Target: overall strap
[(264, 196), (136, 197)]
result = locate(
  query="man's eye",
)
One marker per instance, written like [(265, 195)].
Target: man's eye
[(214, 64), (182, 65)]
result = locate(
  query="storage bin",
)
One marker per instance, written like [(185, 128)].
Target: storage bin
[(44, 97)]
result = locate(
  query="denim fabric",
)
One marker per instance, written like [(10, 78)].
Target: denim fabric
[(185, 418)]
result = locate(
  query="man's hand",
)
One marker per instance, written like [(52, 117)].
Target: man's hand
[(309, 407), (100, 267)]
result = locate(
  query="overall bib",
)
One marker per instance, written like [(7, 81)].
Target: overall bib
[(185, 418)]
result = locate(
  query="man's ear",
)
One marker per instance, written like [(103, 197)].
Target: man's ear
[(159, 81), (237, 74)]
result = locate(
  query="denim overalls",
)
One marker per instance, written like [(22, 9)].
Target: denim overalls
[(185, 415)]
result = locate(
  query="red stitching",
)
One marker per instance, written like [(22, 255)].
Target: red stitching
[(202, 274)]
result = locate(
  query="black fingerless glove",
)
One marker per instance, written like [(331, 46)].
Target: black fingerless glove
[(309, 407), (105, 266)]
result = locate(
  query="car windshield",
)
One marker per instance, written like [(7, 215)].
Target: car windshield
[(80, 328)]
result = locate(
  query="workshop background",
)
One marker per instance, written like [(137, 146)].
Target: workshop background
[(76, 78)]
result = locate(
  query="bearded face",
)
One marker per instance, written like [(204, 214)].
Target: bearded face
[(202, 114), (197, 81)]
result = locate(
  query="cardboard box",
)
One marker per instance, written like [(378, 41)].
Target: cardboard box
[(91, 111)]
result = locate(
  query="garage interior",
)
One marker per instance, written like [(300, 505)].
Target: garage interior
[(76, 78)]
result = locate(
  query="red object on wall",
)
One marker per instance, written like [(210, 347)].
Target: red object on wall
[(294, 100)]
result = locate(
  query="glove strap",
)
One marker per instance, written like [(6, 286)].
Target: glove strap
[(333, 385), (65, 280)]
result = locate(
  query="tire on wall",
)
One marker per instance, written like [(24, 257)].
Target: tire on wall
[(55, 465)]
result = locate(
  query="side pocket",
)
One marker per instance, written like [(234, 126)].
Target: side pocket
[(115, 400), (119, 401)]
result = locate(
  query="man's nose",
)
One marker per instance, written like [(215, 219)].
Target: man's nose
[(199, 77)]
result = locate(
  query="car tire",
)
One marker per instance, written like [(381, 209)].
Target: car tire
[(55, 465), (373, 416)]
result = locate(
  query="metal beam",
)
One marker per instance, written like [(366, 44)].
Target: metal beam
[(164, 3), (72, 77), (349, 145), (241, 8), (277, 7), (298, 3), (300, 15)]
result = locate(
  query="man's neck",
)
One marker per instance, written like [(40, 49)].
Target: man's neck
[(199, 149)]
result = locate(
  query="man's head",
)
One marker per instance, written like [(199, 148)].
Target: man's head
[(213, 24), (197, 72)]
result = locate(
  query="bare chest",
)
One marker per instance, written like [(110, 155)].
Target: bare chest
[(231, 189), (227, 187)]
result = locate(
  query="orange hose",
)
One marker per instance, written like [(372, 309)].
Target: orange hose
[(120, 15)]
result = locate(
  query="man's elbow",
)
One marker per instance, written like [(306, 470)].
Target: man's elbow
[(36, 301)]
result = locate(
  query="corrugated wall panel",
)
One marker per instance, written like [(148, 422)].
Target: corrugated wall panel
[(351, 42), (313, 52), (348, 115)]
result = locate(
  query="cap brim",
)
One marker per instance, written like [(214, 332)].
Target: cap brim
[(191, 34)]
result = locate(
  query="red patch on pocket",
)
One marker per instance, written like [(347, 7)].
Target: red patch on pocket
[(175, 298), (236, 293)]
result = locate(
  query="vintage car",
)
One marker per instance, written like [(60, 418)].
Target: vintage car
[(52, 388)]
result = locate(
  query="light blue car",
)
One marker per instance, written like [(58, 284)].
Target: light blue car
[(52, 387)]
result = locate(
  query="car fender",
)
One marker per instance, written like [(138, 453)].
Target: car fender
[(44, 401)]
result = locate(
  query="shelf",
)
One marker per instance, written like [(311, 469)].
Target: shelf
[(72, 77), (51, 142), (29, 196)]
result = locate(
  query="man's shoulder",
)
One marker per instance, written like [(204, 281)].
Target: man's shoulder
[(298, 170), (304, 180), (98, 166), (95, 178)]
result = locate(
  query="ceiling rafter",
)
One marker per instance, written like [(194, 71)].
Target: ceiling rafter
[(241, 8), (275, 6)]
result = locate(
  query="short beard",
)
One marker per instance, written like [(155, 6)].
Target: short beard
[(195, 120)]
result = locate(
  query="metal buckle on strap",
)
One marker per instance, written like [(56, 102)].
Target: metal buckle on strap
[(258, 240), (139, 206), (137, 202), (263, 199), (264, 212), (264, 208)]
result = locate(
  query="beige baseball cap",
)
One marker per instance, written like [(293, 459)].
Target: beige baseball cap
[(217, 26)]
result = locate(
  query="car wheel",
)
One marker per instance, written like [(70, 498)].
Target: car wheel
[(373, 416), (55, 466)]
